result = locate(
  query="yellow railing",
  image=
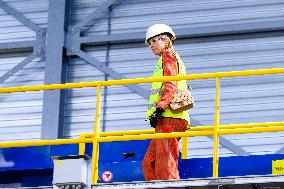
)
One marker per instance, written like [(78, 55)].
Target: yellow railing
[(216, 130)]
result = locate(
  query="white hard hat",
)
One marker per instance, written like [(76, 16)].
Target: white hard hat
[(157, 29)]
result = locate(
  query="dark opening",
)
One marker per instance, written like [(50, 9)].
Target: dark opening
[(129, 155)]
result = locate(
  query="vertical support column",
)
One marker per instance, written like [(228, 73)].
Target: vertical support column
[(216, 129), (95, 153), (106, 76), (55, 70)]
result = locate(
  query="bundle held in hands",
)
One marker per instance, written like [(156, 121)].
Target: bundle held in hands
[(181, 102)]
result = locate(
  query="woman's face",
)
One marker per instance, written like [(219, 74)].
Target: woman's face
[(157, 45)]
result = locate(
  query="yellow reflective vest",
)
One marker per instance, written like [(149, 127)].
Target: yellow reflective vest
[(157, 88)]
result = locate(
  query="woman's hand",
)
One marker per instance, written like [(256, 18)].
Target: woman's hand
[(155, 117)]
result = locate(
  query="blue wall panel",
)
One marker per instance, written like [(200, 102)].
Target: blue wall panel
[(35, 162), (25, 158)]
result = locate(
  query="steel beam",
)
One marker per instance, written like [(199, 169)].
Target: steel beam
[(18, 67), (38, 50), (112, 38), (96, 15), (280, 151), (231, 146), (23, 45), (196, 32), (72, 43), (110, 72), (106, 76), (17, 46), (38, 45), (225, 143), (55, 70), (20, 17)]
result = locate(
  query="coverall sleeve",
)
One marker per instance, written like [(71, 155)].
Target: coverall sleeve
[(170, 68)]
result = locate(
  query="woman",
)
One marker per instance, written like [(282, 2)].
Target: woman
[(161, 159)]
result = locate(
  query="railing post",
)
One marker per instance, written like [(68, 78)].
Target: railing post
[(216, 129), (184, 150), (82, 145), (95, 153)]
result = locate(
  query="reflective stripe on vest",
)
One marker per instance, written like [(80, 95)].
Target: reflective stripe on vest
[(157, 87)]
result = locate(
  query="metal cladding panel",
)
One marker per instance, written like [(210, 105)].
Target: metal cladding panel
[(81, 9), (21, 113), (135, 16), (80, 105), (243, 99), (12, 29)]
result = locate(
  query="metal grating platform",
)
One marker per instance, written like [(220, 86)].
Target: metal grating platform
[(10, 186), (246, 182)]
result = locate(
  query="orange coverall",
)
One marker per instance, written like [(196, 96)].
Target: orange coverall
[(161, 159)]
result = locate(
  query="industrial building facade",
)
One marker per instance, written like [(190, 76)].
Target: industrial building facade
[(64, 41)]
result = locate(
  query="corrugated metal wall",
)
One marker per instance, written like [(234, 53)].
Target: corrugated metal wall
[(243, 100), (21, 113), (13, 30)]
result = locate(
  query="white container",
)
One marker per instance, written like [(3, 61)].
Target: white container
[(70, 169)]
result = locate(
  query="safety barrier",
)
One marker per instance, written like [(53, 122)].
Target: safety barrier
[(96, 137)]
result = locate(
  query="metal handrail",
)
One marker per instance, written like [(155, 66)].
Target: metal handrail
[(142, 80), (216, 130), (149, 134)]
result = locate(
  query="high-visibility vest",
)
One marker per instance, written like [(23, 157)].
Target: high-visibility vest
[(157, 88)]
